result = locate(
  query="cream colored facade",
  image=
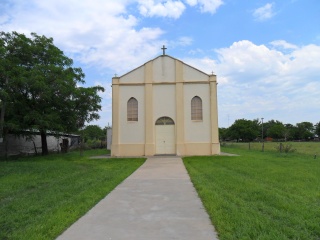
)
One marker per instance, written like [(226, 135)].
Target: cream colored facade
[(164, 88)]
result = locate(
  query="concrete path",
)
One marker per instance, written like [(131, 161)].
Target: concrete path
[(158, 201)]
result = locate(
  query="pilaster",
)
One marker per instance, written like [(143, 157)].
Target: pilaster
[(214, 115), (179, 109), (149, 121), (115, 117)]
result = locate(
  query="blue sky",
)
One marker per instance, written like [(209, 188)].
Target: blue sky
[(266, 54)]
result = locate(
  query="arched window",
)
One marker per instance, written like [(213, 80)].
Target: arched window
[(164, 121), (132, 110), (196, 108)]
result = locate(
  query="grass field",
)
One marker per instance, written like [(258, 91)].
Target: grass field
[(259, 195), (42, 196), (308, 148)]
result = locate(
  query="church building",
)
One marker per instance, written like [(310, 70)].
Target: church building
[(164, 107)]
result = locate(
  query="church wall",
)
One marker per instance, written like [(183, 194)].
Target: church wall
[(164, 101), (197, 149), (164, 70), (197, 131), (191, 74), (132, 132), (129, 150), (135, 76), (164, 87)]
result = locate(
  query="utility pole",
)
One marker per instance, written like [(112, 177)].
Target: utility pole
[(262, 135)]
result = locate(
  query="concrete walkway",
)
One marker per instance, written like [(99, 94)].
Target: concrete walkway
[(158, 201)]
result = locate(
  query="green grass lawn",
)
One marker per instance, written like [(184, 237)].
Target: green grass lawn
[(41, 196), (308, 148), (259, 195)]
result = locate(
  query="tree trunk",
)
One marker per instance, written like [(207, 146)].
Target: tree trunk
[(44, 144), (35, 147)]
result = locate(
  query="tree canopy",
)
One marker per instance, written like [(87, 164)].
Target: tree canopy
[(317, 129), (248, 130), (39, 87), (275, 129), (93, 132), (305, 130)]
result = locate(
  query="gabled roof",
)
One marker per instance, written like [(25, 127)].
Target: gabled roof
[(169, 57)]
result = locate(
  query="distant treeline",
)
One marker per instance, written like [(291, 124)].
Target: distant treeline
[(250, 130)]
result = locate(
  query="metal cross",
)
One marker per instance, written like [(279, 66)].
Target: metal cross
[(164, 50)]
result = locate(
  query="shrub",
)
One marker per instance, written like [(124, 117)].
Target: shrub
[(286, 148)]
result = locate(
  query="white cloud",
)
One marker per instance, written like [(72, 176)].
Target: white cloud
[(283, 44), (274, 80), (264, 13), (192, 2), (169, 8), (95, 32), (257, 81), (181, 41), (210, 6), (185, 41), (253, 61), (174, 9)]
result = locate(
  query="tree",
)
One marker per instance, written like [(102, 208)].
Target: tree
[(93, 132), (289, 132), (39, 85), (246, 130), (305, 130), (275, 129), (223, 133), (317, 129)]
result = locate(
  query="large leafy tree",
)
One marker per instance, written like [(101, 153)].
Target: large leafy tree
[(317, 129), (223, 134), (276, 129), (39, 85), (305, 130), (246, 130), (290, 131), (93, 132)]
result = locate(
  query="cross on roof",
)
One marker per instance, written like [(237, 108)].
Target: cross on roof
[(164, 50)]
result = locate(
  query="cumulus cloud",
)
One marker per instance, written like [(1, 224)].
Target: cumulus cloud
[(283, 44), (254, 80), (257, 81), (270, 83), (151, 8), (95, 32), (252, 60), (210, 6), (174, 9), (263, 13)]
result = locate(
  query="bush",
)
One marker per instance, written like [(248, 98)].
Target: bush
[(286, 148), (93, 144)]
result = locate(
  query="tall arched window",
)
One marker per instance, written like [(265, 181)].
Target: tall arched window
[(132, 110), (196, 108)]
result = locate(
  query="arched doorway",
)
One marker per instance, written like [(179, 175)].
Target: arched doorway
[(165, 136)]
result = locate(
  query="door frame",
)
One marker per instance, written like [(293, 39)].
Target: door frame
[(163, 121)]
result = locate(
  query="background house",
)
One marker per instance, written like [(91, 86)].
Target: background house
[(25, 145)]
